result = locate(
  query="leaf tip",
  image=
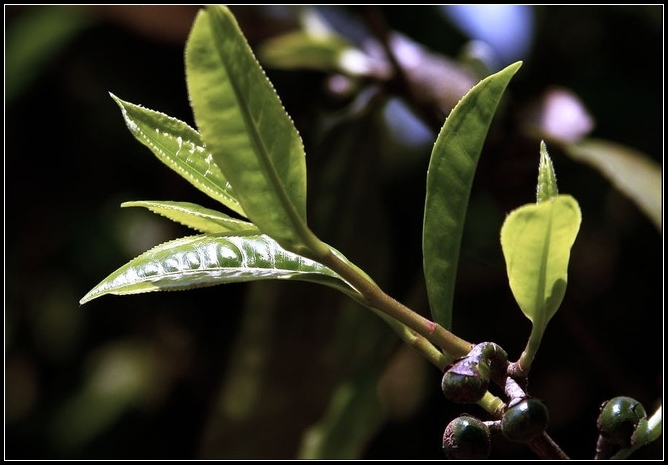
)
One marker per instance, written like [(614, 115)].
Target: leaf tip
[(515, 66), (116, 99), (546, 187), (87, 298)]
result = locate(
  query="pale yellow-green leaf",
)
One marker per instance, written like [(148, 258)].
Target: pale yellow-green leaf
[(536, 240)]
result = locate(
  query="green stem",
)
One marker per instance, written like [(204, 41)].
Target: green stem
[(523, 365), (377, 299), (492, 404), (421, 333), (419, 343), (651, 432)]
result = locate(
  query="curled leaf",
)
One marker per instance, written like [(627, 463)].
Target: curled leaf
[(211, 259)]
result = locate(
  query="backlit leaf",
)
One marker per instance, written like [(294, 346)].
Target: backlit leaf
[(536, 240), (249, 133)]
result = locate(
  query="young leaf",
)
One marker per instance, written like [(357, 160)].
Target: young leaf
[(194, 216), (181, 148), (547, 178), (211, 259), (536, 240), (251, 137), (449, 179)]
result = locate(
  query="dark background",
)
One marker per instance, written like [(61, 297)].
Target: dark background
[(70, 161)]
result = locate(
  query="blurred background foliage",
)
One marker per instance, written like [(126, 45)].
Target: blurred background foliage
[(283, 370)]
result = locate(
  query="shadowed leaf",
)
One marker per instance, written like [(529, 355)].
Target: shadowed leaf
[(449, 179), (633, 173)]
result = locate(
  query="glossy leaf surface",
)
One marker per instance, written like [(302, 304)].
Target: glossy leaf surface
[(244, 124), (449, 180), (208, 260), (536, 240), (195, 216), (181, 148)]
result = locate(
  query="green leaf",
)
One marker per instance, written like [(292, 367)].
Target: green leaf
[(536, 240), (633, 173), (317, 45), (449, 180), (35, 39), (194, 216), (181, 148), (354, 414), (251, 137), (104, 396), (304, 50), (547, 178), (208, 260)]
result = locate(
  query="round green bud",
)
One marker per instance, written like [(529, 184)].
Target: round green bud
[(466, 381), (618, 420), (466, 437), (524, 419)]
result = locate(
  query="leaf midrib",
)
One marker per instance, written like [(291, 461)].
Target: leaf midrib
[(258, 142)]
